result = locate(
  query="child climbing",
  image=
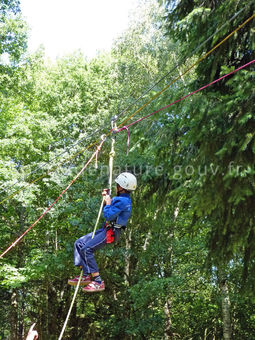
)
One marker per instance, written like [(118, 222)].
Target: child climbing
[(116, 212)]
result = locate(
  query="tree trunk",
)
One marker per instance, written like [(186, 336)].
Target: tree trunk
[(168, 320), (226, 306), (127, 256), (14, 316), (168, 272), (21, 315)]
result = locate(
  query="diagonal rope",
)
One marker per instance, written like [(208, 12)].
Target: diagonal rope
[(49, 208), (183, 59), (189, 68)]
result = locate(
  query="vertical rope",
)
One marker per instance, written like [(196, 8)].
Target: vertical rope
[(111, 156), (98, 217), (71, 307)]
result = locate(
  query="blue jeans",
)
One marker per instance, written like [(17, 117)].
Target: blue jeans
[(85, 246)]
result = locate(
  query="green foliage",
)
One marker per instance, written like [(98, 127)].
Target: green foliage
[(13, 31), (193, 214), (221, 131)]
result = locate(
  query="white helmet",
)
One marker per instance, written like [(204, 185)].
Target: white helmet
[(127, 181)]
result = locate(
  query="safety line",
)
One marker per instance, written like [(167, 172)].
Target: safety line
[(188, 69), (188, 95), (49, 208), (182, 60)]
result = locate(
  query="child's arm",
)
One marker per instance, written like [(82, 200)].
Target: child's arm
[(112, 211)]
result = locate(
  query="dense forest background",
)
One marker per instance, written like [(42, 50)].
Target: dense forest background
[(185, 267)]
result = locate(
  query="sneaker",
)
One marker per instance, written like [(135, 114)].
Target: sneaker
[(94, 287), (85, 280)]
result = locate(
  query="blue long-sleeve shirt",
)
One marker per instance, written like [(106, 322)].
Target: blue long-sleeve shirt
[(119, 210)]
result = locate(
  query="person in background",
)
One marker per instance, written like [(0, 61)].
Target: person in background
[(32, 334)]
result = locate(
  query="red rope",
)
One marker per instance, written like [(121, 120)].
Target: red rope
[(49, 208), (188, 95)]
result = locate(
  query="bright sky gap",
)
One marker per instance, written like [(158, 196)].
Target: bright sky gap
[(63, 27)]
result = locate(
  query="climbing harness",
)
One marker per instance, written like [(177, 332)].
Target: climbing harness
[(109, 232), (111, 227)]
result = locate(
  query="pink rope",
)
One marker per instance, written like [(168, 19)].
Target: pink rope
[(128, 140), (49, 208), (188, 95)]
